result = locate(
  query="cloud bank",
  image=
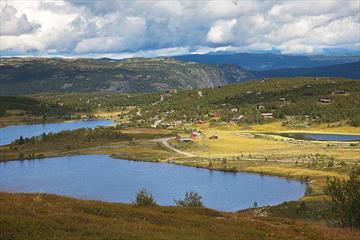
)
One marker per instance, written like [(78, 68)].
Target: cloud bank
[(152, 28)]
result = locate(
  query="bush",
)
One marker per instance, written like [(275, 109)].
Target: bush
[(144, 199), (355, 122), (192, 199), (309, 190), (345, 198)]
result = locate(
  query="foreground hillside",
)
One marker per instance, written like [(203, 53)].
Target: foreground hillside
[(35, 216), (36, 75)]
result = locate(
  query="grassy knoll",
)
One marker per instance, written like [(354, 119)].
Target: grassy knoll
[(34, 216)]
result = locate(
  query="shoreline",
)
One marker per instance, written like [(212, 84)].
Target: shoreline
[(164, 162)]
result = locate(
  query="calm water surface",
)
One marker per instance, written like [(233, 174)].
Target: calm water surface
[(11, 133), (323, 137), (332, 137), (100, 177)]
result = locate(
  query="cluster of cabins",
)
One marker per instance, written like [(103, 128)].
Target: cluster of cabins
[(238, 116)]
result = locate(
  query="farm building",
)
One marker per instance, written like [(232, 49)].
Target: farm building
[(267, 115), (324, 100), (185, 139), (195, 134)]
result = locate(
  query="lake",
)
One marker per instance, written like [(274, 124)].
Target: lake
[(323, 137), (100, 177), (11, 133)]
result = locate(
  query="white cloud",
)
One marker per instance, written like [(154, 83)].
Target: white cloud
[(78, 27), (115, 35), (11, 24), (221, 31)]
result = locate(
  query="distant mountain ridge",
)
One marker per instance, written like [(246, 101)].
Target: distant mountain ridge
[(36, 75), (347, 70), (268, 61), (20, 76)]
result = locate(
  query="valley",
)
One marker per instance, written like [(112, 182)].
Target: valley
[(249, 127), (174, 120)]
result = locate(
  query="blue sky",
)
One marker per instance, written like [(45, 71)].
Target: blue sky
[(121, 29)]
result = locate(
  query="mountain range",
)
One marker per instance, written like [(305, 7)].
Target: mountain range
[(36, 75), (268, 61), (20, 76)]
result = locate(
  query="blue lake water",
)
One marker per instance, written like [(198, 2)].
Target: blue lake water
[(323, 137), (11, 133), (101, 177), (332, 137)]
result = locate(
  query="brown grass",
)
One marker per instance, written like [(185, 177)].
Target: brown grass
[(34, 216)]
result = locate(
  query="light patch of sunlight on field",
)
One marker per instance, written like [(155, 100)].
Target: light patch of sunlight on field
[(253, 145)]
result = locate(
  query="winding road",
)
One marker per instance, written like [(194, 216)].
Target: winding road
[(164, 141)]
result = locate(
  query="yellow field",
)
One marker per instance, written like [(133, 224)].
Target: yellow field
[(277, 127), (250, 145), (247, 148)]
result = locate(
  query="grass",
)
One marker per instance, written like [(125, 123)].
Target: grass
[(41, 216), (247, 148)]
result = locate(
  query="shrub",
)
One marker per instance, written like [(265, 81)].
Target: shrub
[(192, 199), (355, 122), (345, 198), (309, 190), (144, 199)]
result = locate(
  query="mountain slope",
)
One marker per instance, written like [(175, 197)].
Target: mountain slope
[(36, 75), (268, 61), (347, 70)]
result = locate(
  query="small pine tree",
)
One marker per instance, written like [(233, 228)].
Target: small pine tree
[(144, 199), (192, 199), (20, 140)]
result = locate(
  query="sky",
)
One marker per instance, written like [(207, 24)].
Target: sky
[(123, 29)]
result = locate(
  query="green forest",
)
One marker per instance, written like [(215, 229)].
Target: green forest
[(319, 100)]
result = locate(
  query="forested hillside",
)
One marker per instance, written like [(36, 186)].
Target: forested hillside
[(27, 105), (309, 99)]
